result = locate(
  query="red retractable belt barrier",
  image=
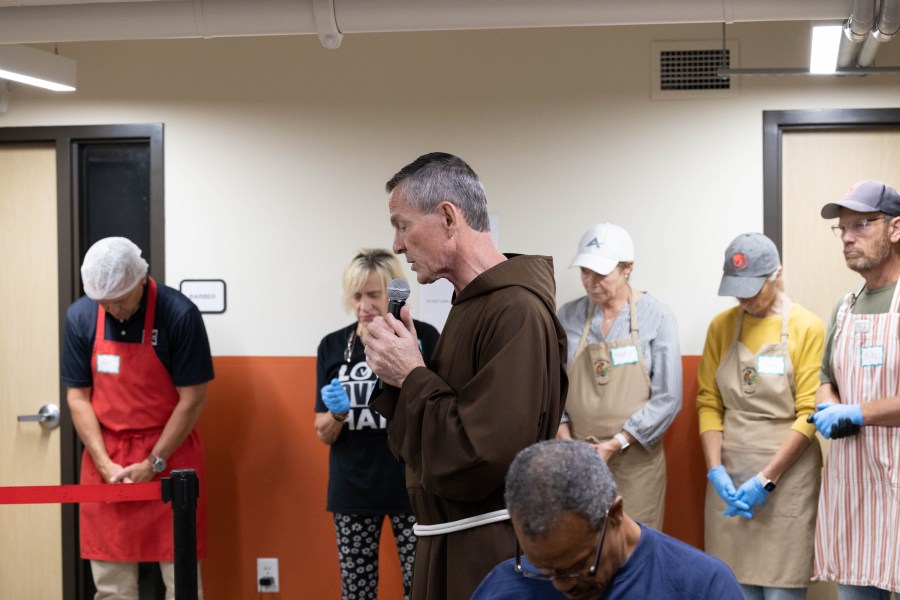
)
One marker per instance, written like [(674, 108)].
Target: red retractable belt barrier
[(181, 489), (67, 494)]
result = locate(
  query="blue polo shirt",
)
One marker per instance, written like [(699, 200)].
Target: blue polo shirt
[(179, 338)]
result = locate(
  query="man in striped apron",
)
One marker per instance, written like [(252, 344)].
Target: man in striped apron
[(859, 404)]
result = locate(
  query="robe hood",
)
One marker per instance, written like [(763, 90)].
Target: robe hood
[(531, 272)]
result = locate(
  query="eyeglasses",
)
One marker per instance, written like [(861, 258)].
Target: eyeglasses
[(857, 227), (551, 576)]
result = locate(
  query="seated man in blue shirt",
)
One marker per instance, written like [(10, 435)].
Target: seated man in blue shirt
[(576, 542)]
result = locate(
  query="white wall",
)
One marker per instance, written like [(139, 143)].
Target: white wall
[(277, 151)]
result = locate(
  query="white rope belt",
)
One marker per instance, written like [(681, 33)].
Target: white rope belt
[(467, 523)]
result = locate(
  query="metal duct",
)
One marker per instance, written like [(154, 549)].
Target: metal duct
[(856, 29), (172, 19), (885, 30)]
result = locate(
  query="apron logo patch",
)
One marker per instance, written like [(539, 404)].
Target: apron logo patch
[(748, 380), (602, 368)]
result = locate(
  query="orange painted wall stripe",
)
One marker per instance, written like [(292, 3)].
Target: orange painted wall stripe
[(268, 475)]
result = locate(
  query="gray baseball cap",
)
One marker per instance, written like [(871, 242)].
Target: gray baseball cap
[(749, 260), (866, 196)]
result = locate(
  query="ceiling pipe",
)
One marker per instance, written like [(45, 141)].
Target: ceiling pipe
[(330, 35), (173, 19), (885, 30), (856, 29)]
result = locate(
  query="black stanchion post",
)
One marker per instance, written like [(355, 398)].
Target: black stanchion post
[(182, 488)]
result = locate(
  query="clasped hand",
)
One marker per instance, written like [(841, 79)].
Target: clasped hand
[(740, 500), (392, 347), (837, 420), (335, 397)]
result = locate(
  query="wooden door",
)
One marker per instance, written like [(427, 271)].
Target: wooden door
[(30, 535), (818, 166)]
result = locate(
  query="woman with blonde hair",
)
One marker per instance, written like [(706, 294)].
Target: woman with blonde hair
[(365, 483)]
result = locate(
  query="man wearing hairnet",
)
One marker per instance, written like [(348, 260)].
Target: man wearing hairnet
[(135, 362)]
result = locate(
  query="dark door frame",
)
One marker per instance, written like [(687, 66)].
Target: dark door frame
[(67, 140), (777, 122)]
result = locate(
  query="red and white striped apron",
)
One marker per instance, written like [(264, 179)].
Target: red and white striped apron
[(858, 527)]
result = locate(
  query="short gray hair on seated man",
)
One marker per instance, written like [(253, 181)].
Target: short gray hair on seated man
[(556, 476)]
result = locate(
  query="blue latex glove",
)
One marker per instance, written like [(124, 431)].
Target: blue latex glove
[(722, 483), (734, 511), (335, 398), (837, 420), (752, 492)]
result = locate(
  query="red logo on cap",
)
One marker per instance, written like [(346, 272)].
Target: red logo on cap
[(739, 262)]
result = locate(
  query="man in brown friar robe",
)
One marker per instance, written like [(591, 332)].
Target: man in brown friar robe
[(497, 381)]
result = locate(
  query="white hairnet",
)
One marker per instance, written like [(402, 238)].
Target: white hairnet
[(112, 267)]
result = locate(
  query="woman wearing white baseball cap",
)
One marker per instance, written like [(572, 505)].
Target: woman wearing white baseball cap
[(757, 381), (624, 371)]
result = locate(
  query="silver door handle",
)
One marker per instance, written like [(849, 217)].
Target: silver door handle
[(48, 416)]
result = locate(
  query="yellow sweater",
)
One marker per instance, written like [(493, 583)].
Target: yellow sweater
[(806, 336)]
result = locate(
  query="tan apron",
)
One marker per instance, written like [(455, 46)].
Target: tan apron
[(608, 383), (775, 547), (857, 539)]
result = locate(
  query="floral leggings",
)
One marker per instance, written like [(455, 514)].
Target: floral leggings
[(357, 544)]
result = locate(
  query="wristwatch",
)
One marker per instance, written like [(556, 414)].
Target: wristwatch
[(767, 483), (157, 463), (623, 441)]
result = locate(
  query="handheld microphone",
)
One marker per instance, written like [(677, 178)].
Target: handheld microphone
[(398, 292)]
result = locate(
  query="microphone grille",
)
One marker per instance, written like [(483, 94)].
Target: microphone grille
[(398, 290)]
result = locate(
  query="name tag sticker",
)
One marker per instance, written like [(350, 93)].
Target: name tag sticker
[(624, 355), (108, 363), (770, 365), (861, 326), (871, 356)]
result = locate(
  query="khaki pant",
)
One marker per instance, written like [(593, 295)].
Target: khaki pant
[(119, 580)]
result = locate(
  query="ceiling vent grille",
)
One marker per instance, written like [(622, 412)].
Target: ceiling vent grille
[(693, 69), (690, 70)]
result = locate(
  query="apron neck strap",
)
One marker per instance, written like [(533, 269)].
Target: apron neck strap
[(785, 309), (633, 313), (150, 312), (590, 317), (587, 326)]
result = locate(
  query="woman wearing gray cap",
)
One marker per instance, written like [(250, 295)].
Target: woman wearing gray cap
[(757, 381), (624, 371)]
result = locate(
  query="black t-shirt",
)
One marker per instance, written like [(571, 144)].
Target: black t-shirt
[(179, 334), (364, 477)]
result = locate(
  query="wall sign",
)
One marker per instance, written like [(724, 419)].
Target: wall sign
[(207, 294)]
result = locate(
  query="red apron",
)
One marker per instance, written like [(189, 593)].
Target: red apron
[(133, 398)]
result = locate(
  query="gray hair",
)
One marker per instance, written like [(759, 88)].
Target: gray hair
[(557, 476), (433, 178)]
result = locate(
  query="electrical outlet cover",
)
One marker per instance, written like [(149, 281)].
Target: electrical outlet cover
[(267, 567)]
